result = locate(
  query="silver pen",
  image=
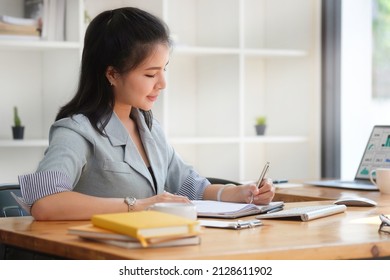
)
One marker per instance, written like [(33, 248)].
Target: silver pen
[(262, 175)]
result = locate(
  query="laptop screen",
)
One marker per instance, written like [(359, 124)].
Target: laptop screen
[(377, 152)]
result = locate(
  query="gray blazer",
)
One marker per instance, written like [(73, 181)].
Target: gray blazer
[(109, 166)]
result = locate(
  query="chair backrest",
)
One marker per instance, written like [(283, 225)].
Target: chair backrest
[(214, 180), (8, 205)]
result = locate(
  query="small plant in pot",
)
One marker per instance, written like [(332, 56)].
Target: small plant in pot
[(261, 124), (17, 129)]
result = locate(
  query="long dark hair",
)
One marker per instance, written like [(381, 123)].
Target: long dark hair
[(121, 38)]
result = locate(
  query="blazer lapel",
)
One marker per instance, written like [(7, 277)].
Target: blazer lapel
[(118, 136), (151, 150), (154, 159)]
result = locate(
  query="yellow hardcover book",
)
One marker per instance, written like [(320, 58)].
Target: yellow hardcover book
[(145, 225), (90, 231)]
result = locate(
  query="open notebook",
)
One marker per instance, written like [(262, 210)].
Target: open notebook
[(219, 209), (306, 213)]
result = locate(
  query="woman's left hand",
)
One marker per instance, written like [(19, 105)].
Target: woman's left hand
[(262, 195)]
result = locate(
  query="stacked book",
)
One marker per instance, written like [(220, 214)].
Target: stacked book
[(43, 19), (53, 20), (140, 229), (15, 28)]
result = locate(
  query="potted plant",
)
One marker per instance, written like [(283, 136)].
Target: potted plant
[(261, 124), (17, 129)]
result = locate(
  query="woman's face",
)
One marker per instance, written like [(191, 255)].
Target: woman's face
[(141, 86)]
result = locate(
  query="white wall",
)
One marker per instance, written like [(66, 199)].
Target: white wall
[(359, 111)]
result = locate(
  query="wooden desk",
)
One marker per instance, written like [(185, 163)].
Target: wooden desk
[(314, 193), (350, 235)]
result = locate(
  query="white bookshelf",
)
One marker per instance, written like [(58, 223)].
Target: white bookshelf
[(42, 143), (232, 60), (38, 76)]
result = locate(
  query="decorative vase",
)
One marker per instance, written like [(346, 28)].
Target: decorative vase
[(18, 132), (260, 129)]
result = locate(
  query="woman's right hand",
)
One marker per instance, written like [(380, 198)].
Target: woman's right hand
[(145, 203)]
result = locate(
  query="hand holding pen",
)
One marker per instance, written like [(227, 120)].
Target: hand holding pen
[(258, 193), (264, 191)]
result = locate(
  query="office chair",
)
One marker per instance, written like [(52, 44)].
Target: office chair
[(214, 180), (8, 205), (10, 208)]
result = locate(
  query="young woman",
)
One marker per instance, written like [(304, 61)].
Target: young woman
[(106, 152)]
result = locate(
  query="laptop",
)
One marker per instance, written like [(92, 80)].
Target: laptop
[(376, 155)]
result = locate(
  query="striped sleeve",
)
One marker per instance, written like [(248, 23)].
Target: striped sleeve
[(193, 187), (37, 185)]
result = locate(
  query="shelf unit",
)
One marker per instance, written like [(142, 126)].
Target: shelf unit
[(38, 78), (232, 61), (254, 58), (42, 143)]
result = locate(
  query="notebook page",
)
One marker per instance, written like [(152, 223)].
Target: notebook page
[(220, 207), (211, 208)]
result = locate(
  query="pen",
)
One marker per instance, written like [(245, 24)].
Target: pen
[(248, 224), (262, 175), (275, 210), (280, 181)]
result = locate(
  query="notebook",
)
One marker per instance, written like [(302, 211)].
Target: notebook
[(376, 155), (185, 241), (90, 232), (147, 225), (230, 210), (306, 213)]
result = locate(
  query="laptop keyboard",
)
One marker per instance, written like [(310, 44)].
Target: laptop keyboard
[(356, 182), (306, 212), (301, 210)]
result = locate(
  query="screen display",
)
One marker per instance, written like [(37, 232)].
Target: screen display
[(377, 152)]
